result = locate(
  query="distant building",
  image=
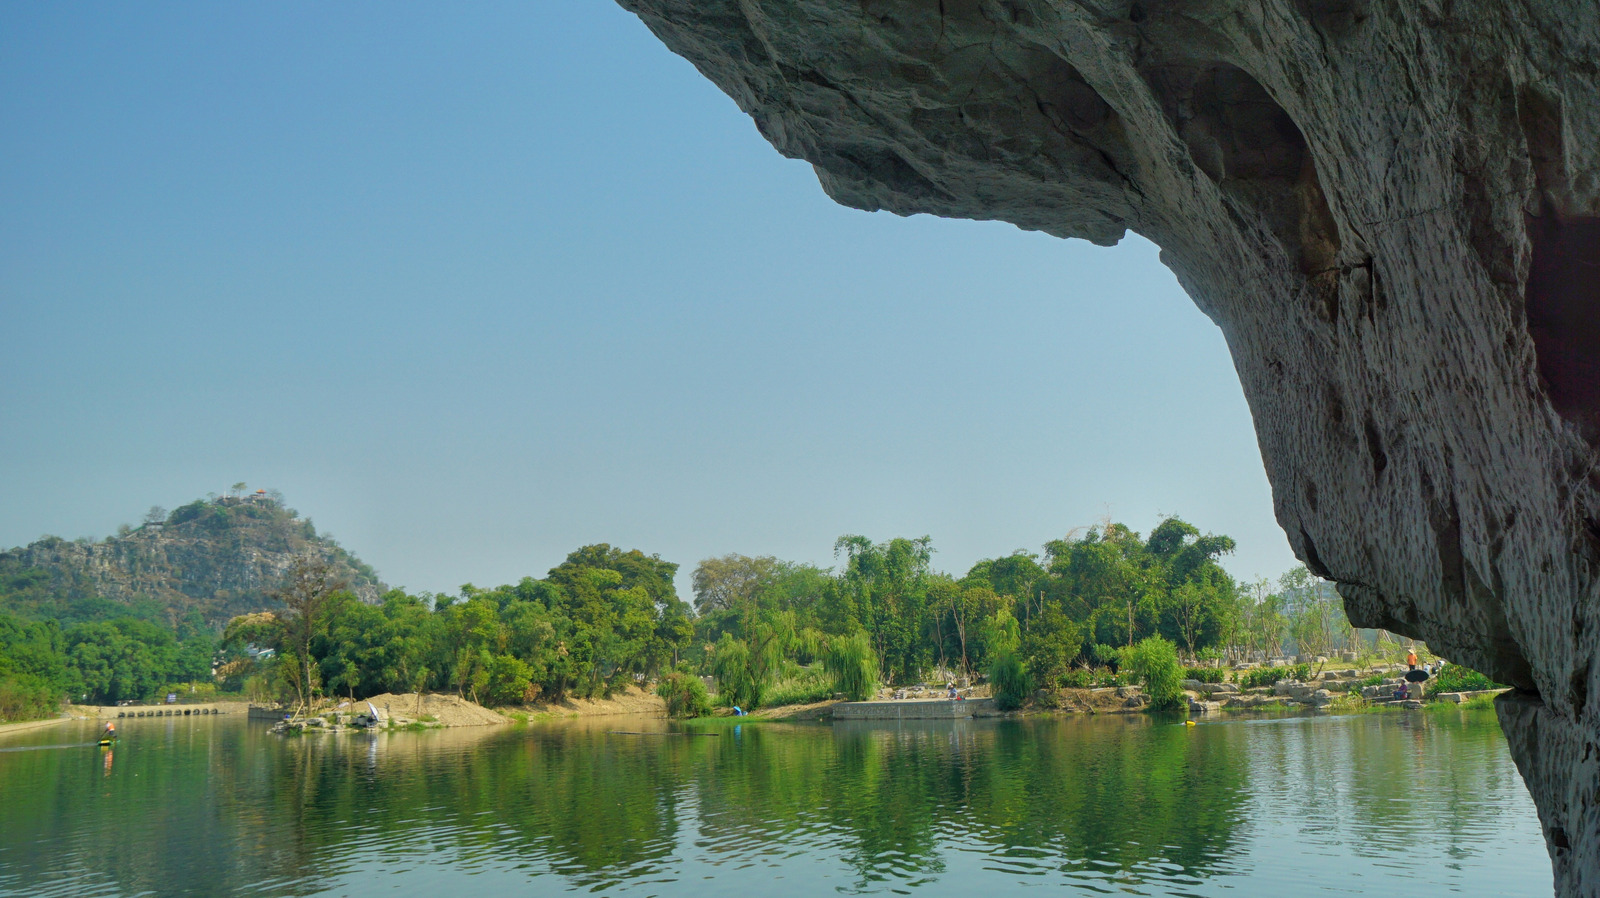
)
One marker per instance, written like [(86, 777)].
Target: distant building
[(259, 497)]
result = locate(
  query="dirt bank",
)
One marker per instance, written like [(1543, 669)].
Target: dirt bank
[(458, 712), (447, 710), (813, 711), (632, 700)]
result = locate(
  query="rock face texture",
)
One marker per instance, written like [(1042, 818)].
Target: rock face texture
[(220, 558), (1391, 210)]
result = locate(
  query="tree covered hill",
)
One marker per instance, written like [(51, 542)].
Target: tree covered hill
[(217, 557)]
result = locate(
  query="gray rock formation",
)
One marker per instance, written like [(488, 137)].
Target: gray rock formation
[(1390, 210), (220, 558)]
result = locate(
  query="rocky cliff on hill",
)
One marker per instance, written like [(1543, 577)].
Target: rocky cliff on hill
[(219, 557), (1391, 210)]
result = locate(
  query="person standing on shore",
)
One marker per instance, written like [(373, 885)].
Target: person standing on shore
[(1411, 657)]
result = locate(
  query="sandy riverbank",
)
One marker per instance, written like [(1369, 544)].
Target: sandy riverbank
[(452, 711), (22, 726), (445, 710), (632, 700), (812, 711)]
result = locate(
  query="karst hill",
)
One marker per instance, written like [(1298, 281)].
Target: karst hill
[(219, 556)]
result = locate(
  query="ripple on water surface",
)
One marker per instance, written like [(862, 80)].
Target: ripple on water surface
[(1415, 804)]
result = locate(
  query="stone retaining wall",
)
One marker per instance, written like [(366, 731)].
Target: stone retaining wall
[(914, 709)]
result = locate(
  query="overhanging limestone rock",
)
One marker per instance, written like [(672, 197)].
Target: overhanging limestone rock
[(1391, 210)]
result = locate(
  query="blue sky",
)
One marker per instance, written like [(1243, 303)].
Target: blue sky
[(477, 286)]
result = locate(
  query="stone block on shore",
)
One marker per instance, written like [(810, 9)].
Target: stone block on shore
[(1293, 689), (1255, 700)]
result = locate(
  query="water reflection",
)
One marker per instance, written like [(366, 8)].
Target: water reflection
[(1117, 803)]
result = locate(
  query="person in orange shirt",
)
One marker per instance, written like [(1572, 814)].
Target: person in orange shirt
[(1411, 657)]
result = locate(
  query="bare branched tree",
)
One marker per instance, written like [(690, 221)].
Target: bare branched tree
[(307, 594)]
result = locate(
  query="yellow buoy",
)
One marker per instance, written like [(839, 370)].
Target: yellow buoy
[(1188, 723)]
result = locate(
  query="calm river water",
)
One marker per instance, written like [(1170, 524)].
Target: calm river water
[(1391, 804)]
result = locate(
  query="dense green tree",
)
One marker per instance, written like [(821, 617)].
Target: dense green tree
[(1103, 580), (684, 694), (507, 680), (102, 661), (736, 583), (473, 636), (1018, 576), (627, 621), (604, 618), (34, 673), (350, 654), (408, 637), (1050, 646), (129, 659), (884, 588), (1121, 588)]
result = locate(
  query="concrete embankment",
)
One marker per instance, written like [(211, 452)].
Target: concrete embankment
[(106, 712), (113, 712), (915, 709)]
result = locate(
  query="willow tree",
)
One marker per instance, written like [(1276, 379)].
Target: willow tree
[(852, 666)]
